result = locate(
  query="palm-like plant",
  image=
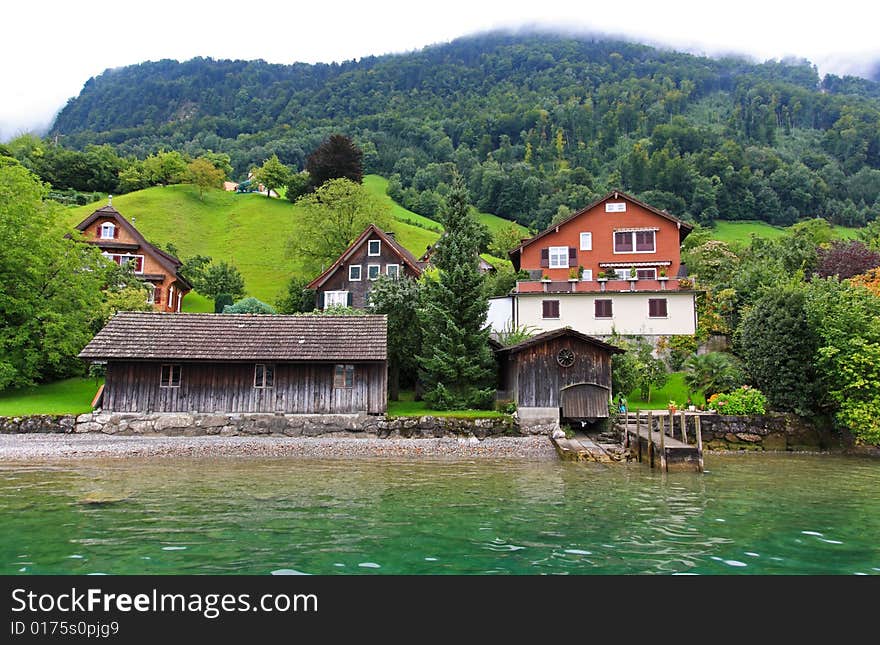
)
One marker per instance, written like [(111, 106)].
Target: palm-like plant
[(712, 373)]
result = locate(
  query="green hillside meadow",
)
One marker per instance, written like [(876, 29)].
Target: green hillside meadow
[(250, 231)]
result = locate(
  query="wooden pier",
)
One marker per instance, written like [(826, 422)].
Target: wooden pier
[(650, 437), (580, 448)]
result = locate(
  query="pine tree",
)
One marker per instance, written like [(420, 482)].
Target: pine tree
[(457, 367)]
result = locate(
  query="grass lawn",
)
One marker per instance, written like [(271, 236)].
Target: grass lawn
[(675, 388), (740, 232), (406, 407), (196, 303), (70, 396)]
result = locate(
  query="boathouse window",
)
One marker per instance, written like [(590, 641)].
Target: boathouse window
[(343, 376), (108, 231), (657, 308), (354, 273), (374, 248), (603, 309), (264, 375), (550, 308), (170, 376)]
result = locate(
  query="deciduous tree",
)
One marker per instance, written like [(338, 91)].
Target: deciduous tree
[(331, 218), (272, 174), (204, 175), (399, 299), (222, 277)]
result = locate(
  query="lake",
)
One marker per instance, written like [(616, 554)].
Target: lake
[(748, 514)]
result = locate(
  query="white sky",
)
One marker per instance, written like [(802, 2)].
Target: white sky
[(50, 49)]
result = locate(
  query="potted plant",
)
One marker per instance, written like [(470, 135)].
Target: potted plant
[(602, 276), (672, 405), (662, 274), (574, 274), (545, 278), (633, 274)]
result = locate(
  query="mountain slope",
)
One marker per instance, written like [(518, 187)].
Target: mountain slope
[(537, 123)]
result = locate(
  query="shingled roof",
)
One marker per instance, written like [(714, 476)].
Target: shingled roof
[(239, 337)]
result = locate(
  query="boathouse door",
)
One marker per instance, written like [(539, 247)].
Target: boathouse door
[(584, 401)]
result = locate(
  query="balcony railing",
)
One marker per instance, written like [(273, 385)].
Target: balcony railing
[(598, 286)]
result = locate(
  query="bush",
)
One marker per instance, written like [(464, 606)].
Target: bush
[(745, 400), (249, 306), (222, 301)]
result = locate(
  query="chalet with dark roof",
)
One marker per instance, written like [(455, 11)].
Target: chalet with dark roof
[(242, 363), (121, 242), (374, 253)]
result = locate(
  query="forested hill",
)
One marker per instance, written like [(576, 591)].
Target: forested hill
[(539, 124)]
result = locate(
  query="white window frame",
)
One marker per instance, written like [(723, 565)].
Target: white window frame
[(264, 383), (396, 271), (378, 268), (370, 248), (108, 226), (335, 298), (633, 238), (125, 258), (151, 294), (587, 275), (622, 274), (586, 241), (554, 253), (360, 272)]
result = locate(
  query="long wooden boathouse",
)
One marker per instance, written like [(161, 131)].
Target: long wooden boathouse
[(242, 363)]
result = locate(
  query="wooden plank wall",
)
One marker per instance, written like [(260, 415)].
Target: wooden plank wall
[(228, 387), (539, 377)]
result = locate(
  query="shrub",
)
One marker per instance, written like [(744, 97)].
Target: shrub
[(744, 400), (249, 306)]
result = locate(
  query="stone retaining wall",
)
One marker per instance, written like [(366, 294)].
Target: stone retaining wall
[(754, 432), (293, 425), (45, 423)]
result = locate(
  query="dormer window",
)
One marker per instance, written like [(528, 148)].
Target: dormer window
[(374, 248), (108, 231)]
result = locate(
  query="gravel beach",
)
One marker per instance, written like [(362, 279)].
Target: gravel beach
[(33, 447)]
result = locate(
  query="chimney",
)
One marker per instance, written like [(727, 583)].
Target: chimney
[(391, 235)]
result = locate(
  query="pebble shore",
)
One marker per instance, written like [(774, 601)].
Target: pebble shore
[(33, 447)]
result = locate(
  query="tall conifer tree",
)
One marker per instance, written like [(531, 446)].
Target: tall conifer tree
[(457, 368)]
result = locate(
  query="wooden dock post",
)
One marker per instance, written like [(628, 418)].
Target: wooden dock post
[(663, 442), (684, 435), (639, 434), (650, 438), (699, 441), (626, 430)]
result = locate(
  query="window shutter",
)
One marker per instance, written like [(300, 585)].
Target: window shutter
[(157, 295), (320, 300), (545, 258), (572, 256), (115, 232), (348, 298)]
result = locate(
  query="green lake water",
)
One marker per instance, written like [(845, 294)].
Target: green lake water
[(749, 514)]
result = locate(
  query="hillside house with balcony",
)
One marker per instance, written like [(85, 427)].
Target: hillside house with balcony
[(122, 243), (612, 266)]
